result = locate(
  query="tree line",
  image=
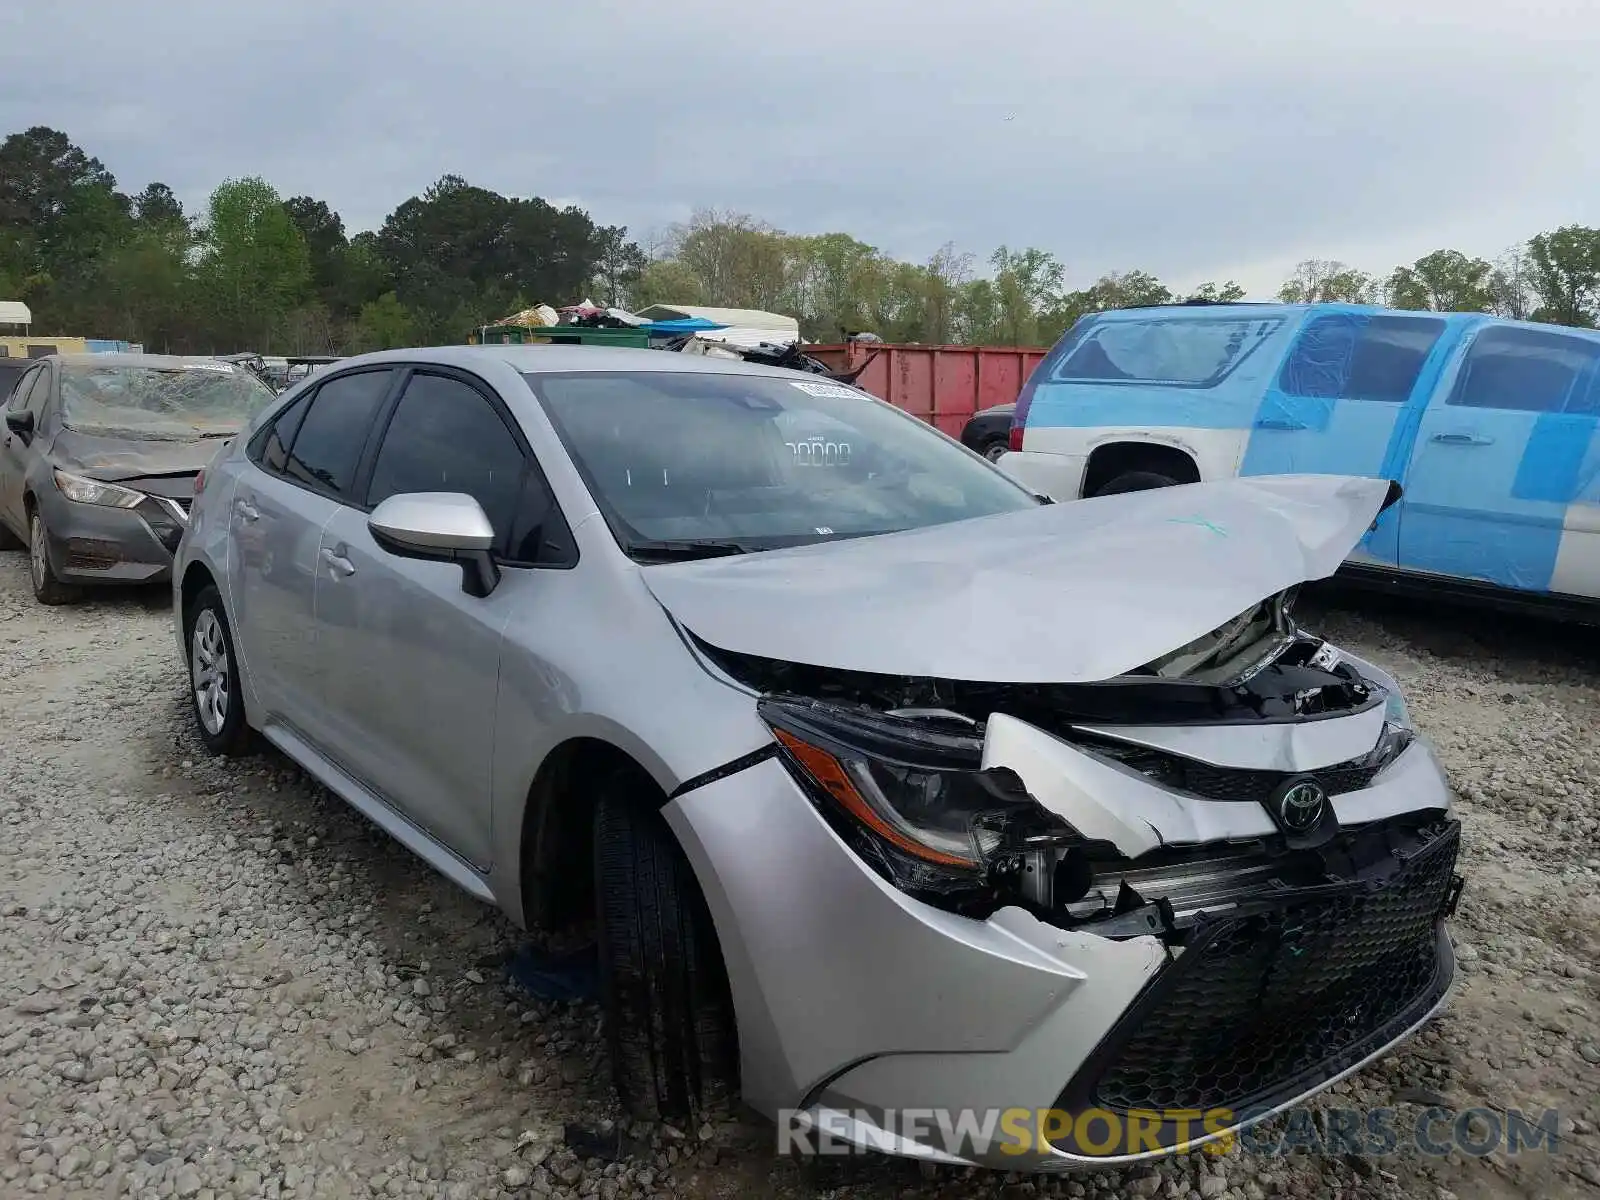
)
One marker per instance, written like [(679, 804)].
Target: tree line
[(258, 271)]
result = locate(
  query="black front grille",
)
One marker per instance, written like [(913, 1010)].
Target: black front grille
[(1232, 783), (1258, 1009)]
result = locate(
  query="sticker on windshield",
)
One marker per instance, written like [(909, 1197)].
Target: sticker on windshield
[(220, 367), (836, 390)]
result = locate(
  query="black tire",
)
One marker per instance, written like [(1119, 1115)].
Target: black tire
[(1136, 481), (47, 587), (995, 447), (232, 736), (669, 1015)]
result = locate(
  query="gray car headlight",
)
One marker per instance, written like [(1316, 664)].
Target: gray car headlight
[(94, 491), (911, 799)]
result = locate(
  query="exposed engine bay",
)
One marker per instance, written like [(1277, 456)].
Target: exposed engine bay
[(1255, 667), (898, 765)]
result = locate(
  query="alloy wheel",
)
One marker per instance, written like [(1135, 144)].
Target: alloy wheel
[(208, 661), (38, 553)]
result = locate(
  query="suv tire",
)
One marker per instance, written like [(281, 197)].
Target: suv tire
[(1135, 481)]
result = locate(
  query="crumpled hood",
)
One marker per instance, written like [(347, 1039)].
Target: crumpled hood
[(1065, 593), (126, 458)]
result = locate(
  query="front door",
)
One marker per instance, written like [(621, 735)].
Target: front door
[(413, 662), (14, 449), (1346, 401), (1504, 484)]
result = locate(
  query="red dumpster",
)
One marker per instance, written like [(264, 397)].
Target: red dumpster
[(943, 385)]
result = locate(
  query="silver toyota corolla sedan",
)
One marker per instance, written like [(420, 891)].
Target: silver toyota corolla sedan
[(906, 805)]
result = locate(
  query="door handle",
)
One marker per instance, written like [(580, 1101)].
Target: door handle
[(1279, 423), (246, 510), (338, 563), (1462, 439)]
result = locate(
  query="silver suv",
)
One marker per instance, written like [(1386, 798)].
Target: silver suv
[(887, 785)]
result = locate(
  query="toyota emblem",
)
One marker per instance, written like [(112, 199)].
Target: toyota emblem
[(1301, 806)]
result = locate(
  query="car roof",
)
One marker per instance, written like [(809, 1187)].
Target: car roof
[(136, 360), (549, 359)]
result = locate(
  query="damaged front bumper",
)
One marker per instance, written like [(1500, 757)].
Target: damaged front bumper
[(1144, 923)]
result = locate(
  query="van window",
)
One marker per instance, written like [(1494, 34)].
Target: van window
[(1176, 351), (1527, 370), (1359, 356)]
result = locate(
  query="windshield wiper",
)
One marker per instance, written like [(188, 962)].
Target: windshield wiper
[(688, 548)]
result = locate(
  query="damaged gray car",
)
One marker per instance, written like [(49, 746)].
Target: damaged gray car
[(887, 788), (98, 459)]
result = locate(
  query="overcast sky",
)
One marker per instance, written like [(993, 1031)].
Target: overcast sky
[(1197, 139)]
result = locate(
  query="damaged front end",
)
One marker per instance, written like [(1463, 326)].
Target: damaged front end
[(1162, 804)]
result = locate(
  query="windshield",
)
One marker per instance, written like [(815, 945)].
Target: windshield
[(754, 462), (180, 402)]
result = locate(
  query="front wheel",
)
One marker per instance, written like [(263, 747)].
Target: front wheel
[(214, 678), (47, 587), (669, 1015)]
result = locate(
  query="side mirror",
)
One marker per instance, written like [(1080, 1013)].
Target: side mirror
[(21, 424), (440, 527)]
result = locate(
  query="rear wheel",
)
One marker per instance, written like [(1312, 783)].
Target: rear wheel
[(995, 447), (669, 1014), (47, 588), (214, 678), (1136, 481)]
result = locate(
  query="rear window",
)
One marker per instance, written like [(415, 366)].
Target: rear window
[(1175, 351), (1528, 370)]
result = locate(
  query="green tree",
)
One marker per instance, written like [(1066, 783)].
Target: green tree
[(1511, 284), (464, 253), (327, 251), (1444, 281), (156, 207), (254, 268), (1132, 289), (835, 282), (618, 265), (1026, 283), (1565, 275), (668, 281), (1322, 281), (1212, 293), (384, 324)]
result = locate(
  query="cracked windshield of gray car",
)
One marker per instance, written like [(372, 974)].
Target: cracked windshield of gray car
[(761, 461), (182, 402)]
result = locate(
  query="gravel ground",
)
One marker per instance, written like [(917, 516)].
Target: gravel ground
[(218, 981)]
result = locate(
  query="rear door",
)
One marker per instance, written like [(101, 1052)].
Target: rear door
[(412, 661), (300, 468), (1345, 403), (1504, 484)]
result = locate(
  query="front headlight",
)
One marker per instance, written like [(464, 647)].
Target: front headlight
[(911, 799), (94, 491)]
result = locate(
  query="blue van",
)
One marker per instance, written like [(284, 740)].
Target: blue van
[(1489, 425)]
